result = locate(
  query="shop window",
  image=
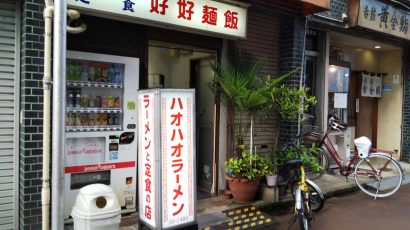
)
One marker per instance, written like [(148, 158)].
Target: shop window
[(338, 89)]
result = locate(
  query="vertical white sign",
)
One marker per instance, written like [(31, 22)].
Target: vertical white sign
[(371, 86), (178, 151), (146, 158)]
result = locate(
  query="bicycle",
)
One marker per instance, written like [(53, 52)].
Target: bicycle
[(308, 196), (375, 171)]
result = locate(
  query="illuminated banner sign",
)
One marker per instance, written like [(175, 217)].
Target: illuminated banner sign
[(380, 16), (203, 15), (174, 128), (147, 155)]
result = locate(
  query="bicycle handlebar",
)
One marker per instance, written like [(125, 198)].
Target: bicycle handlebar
[(334, 124)]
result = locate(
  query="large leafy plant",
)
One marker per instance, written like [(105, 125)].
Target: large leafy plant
[(248, 166), (288, 102), (307, 153), (241, 89)]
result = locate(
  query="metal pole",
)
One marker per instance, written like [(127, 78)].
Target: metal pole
[(59, 73), (302, 76)]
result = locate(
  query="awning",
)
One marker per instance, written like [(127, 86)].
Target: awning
[(314, 6)]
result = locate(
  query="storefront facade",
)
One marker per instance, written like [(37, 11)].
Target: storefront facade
[(170, 57), (359, 72), (9, 110)]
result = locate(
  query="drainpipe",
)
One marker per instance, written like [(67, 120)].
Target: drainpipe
[(47, 84), (59, 88), (74, 15)]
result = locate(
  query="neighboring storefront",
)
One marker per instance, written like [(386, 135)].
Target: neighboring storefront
[(9, 112), (357, 62), (170, 55)]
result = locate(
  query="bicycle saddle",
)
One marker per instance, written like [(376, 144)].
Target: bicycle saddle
[(289, 166), (294, 162)]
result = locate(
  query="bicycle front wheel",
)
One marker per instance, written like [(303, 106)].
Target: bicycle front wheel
[(303, 220), (378, 175), (316, 197)]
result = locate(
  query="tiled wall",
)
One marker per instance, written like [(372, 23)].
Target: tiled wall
[(31, 128)]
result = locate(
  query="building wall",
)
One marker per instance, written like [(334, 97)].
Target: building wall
[(291, 56), (390, 105), (31, 127), (406, 107)]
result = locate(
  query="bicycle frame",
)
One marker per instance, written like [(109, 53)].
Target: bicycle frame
[(347, 170), (328, 144)]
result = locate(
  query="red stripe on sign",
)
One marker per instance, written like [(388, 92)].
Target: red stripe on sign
[(99, 167)]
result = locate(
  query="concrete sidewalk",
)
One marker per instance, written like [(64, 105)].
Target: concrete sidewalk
[(210, 210)]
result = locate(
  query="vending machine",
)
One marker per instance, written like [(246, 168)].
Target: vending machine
[(101, 126)]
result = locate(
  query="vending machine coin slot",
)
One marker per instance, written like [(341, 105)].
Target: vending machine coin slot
[(79, 180)]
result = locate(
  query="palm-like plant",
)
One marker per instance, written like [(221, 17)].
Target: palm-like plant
[(241, 89)]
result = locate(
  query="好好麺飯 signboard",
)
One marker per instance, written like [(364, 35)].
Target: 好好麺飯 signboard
[(202, 15)]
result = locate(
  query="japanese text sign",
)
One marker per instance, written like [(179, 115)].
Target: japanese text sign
[(172, 126), (203, 15), (83, 151), (146, 159), (382, 17), (371, 86), (178, 150)]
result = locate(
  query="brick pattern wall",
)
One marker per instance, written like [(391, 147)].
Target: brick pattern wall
[(291, 43), (405, 156), (32, 106), (337, 7)]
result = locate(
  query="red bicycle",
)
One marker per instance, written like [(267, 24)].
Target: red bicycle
[(375, 171)]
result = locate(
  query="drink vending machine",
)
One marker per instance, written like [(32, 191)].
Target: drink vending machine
[(101, 126)]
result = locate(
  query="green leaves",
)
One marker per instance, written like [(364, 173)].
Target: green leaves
[(286, 101), (240, 88), (307, 153), (247, 166)]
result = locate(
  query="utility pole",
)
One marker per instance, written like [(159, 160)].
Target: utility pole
[(59, 88)]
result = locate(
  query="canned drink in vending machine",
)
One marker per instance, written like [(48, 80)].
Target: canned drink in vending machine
[(91, 119), (110, 119), (77, 119)]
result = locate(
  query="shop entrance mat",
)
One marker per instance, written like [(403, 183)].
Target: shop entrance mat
[(248, 217)]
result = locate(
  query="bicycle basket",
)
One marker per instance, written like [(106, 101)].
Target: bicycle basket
[(312, 137), (363, 145)]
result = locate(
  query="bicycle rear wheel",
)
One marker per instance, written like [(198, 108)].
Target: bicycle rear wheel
[(378, 175), (322, 159)]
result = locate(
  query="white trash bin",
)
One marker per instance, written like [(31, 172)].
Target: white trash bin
[(96, 208)]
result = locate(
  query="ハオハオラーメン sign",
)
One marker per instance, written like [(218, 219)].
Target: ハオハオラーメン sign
[(202, 15)]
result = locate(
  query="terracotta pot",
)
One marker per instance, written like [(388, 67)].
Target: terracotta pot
[(244, 191), (271, 180)]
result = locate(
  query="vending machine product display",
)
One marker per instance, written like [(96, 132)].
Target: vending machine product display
[(101, 126)]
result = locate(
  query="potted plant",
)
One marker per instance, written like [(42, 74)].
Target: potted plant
[(243, 175), (271, 170)]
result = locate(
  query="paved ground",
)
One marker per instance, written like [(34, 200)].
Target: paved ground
[(359, 211)]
